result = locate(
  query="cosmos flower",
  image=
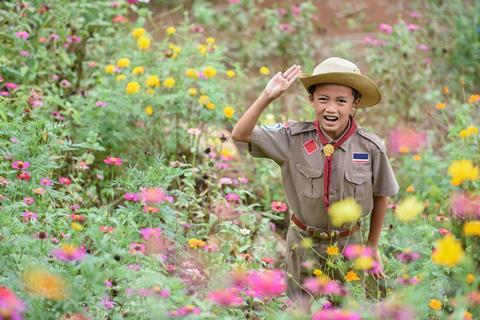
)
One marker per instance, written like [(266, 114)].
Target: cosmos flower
[(69, 252), (228, 297)]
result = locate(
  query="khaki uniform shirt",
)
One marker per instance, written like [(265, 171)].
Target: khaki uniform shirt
[(302, 170)]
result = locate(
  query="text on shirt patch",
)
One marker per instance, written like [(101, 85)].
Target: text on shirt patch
[(310, 146), (274, 126), (360, 157)]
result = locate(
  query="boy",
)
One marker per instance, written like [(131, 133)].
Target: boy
[(323, 162)]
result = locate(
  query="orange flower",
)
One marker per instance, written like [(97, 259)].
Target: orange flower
[(440, 106), (45, 284)]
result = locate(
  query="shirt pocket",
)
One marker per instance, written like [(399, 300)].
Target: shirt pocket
[(358, 183), (309, 181)]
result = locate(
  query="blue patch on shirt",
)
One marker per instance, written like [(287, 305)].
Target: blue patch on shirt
[(360, 157)]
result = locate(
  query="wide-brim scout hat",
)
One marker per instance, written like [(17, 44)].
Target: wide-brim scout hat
[(341, 71)]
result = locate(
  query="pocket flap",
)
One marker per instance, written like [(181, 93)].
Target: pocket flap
[(358, 177), (309, 172)]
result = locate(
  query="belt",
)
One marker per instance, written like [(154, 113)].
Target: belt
[(324, 234)]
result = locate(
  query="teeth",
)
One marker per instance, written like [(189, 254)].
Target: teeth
[(330, 118)]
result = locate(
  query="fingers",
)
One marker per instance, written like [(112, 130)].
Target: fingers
[(291, 72)]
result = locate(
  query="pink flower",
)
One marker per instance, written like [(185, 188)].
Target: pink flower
[(228, 297), (101, 104), (267, 284), (323, 286), (28, 200), (279, 206), (184, 311), (335, 314), (226, 181), (286, 27), (136, 247), (465, 206), (150, 209), (415, 15), (150, 232), (35, 100), (24, 175), (152, 195), (295, 9), (53, 37), (20, 165), (24, 53), (423, 47), (386, 28), (130, 196), (29, 215), (22, 35), (355, 250), (412, 27), (408, 256), (65, 181), (233, 1), (114, 161), (406, 140), (194, 131), (106, 229), (108, 303), (45, 182), (281, 12), (11, 307), (69, 252), (232, 197)]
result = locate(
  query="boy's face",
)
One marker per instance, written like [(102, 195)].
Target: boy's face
[(333, 104)]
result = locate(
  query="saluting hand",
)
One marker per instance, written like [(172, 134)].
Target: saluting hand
[(280, 82)]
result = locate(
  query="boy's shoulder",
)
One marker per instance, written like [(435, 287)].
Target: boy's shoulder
[(296, 127), (372, 137)]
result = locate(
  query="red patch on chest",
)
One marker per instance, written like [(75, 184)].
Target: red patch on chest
[(310, 146)]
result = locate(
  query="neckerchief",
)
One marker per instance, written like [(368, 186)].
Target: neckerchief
[(328, 152)]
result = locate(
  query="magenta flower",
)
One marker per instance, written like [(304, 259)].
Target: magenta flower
[(412, 27), (130, 196), (405, 140), (286, 27), (152, 195), (279, 206), (465, 206), (69, 252), (29, 215), (65, 181), (415, 15), (101, 104), (386, 28), (20, 165), (136, 247), (22, 35), (11, 307), (407, 281), (24, 175), (184, 311), (267, 284), (296, 10), (65, 83), (113, 161), (355, 250), (28, 200), (228, 297), (335, 314), (321, 285), (150, 232), (233, 1), (232, 197), (45, 182), (423, 47), (408, 256), (35, 100), (108, 303), (281, 12), (53, 37), (24, 53)]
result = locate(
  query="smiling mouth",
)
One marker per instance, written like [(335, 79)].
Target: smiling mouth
[(330, 118)]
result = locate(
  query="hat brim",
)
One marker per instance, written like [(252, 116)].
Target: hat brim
[(363, 84)]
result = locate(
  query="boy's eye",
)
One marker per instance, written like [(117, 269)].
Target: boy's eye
[(322, 99)]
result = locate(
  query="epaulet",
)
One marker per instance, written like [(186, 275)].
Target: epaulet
[(299, 126), (372, 137)]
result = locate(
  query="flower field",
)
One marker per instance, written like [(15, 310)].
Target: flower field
[(123, 196)]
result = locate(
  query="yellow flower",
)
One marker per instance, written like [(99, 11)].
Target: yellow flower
[(192, 91), (410, 189), (152, 81), (265, 71), (332, 250), (448, 252), (203, 100), (138, 32), (230, 73), (445, 90), (417, 157), (345, 211), (318, 273), (467, 316), (472, 228), (226, 152), (138, 70), (470, 278), (120, 77), (210, 40), (175, 50), (171, 30), (409, 208), (123, 62), (76, 226), (474, 98), (352, 276), (143, 43), (209, 72), (363, 263), (132, 87), (202, 49), (150, 91), (169, 82), (45, 284), (462, 170), (191, 73), (463, 134), (440, 106), (195, 243), (210, 106), (110, 68), (149, 110), (435, 304), (472, 130), (228, 111)]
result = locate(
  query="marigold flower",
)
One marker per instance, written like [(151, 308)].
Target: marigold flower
[(45, 284), (446, 90), (202, 49), (109, 68), (120, 77), (440, 106), (76, 226), (474, 98), (435, 304), (470, 131), (149, 110), (210, 40), (143, 43), (352, 276), (132, 87), (210, 106), (472, 228), (195, 243), (138, 32), (332, 250), (192, 91), (138, 70), (345, 211), (209, 72), (409, 208), (123, 62), (171, 30), (169, 82), (152, 81), (448, 251), (462, 170), (410, 189), (203, 100), (228, 112), (470, 278), (191, 73), (264, 70), (231, 73)]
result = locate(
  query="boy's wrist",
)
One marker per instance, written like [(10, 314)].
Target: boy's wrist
[(266, 97)]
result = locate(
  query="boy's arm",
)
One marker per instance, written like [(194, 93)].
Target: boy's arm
[(376, 223), (279, 83)]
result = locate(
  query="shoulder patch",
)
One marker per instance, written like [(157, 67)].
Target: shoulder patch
[(300, 126), (274, 126), (373, 138)]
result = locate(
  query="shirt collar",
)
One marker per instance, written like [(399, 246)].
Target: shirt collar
[(344, 145)]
